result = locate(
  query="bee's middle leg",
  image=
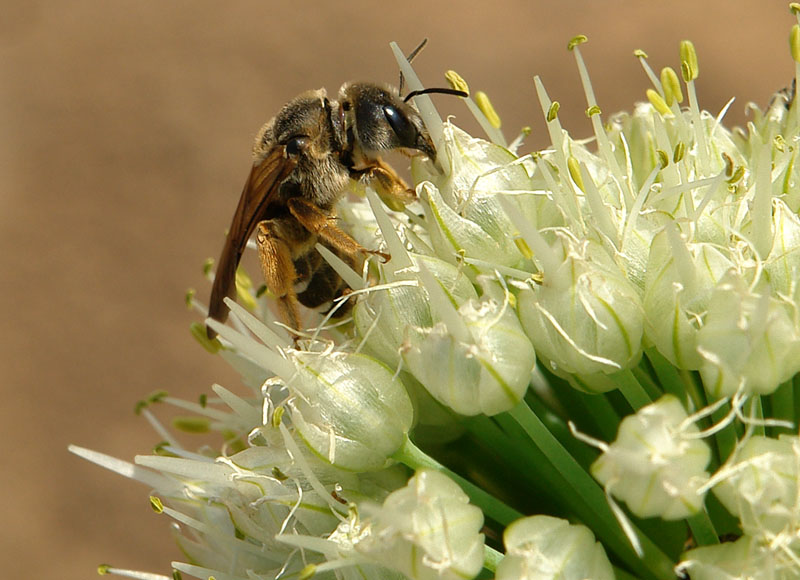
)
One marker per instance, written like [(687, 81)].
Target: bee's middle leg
[(279, 272)]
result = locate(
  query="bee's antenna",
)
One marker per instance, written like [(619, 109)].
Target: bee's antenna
[(409, 58), (442, 91)]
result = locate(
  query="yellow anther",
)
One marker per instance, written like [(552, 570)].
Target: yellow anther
[(552, 112), (576, 41), (689, 67), (658, 102), (593, 110), (456, 81), (679, 152), (575, 172), (199, 333), (156, 504), (663, 158), (671, 86), (794, 42), (485, 105)]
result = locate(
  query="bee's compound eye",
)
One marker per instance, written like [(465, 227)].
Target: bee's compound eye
[(403, 128), (296, 145)]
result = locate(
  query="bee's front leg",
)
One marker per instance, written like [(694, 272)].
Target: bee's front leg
[(278, 269), (389, 186)]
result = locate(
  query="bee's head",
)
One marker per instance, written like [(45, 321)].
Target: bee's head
[(380, 120)]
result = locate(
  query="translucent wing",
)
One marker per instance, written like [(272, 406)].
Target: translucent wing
[(259, 191)]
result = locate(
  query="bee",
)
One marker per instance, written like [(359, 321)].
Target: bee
[(303, 161)]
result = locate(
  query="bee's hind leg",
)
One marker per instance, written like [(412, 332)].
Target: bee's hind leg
[(279, 272)]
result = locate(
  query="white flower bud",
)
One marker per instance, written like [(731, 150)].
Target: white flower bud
[(461, 206), (760, 485), (548, 548), (655, 465), (490, 241), (230, 509), (783, 263), (678, 286), (485, 368), (478, 170), (427, 530), (585, 317), (384, 313), (745, 559), (749, 340), (349, 408)]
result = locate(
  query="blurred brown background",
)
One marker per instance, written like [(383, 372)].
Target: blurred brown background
[(125, 134)]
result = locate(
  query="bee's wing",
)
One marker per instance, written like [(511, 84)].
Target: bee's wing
[(260, 189)]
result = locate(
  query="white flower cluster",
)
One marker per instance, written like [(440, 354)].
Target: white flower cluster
[(655, 271)]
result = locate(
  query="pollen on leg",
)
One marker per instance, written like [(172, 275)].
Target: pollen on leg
[(279, 272)]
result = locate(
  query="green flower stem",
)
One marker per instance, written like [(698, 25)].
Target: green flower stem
[(632, 390), (620, 574), (694, 389), (756, 412), (413, 457), (602, 414), (586, 409), (796, 390), (724, 522), (782, 403), (668, 376), (556, 425), (491, 558), (522, 460), (703, 529), (643, 376), (653, 563), (726, 438)]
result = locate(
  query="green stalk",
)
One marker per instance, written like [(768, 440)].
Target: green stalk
[(726, 438), (556, 425), (694, 389), (620, 574), (703, 529), (524, 461), (782, 403), (585, 409), (653, 563), (668, 376), (756, 412), (644, 378), (491, 558), (796, 388), (632, 390), (602, 412), (413, 457)]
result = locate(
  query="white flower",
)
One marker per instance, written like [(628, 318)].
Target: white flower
[(760, 486), (548, 548), (655, 464), (661, 255), (678, 285), (745, 559), (478, 360), (585, 317), (349, 408), (463, 214), (750, 341), (426, 530)]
